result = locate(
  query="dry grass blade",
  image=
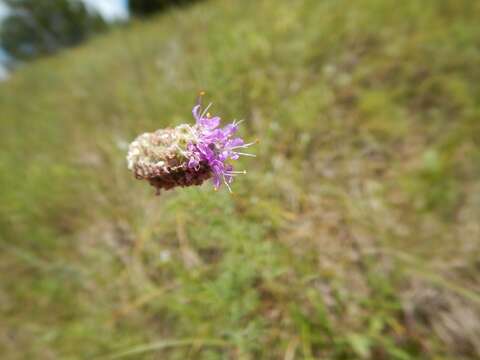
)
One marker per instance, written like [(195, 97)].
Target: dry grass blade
[(169, 344), (291, 349)]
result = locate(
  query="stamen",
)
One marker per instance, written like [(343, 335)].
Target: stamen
[(236, 172), (245, 154), (243, 146), (228, 186), (205, 111), (199, 97)]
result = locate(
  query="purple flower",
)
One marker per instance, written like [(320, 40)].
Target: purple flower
[(215, 146), (188, 155)]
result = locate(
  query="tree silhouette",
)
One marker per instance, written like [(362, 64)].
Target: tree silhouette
[(34, 28), (149, 7)]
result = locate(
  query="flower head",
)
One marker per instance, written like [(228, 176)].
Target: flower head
[(188, 154)]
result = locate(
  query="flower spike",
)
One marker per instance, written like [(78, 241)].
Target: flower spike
[(189, 154)]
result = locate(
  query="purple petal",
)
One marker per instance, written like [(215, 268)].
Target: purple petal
[(230, 129), (217, 170), (235, 142), (216, 181), (224, 155), (209, 123), (215, 135), (196, 113), (193, 163), (205, 151)]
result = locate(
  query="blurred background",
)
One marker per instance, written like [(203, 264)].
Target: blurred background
[(355, 235)]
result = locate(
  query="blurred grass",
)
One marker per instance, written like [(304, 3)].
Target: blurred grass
[(356, 233)]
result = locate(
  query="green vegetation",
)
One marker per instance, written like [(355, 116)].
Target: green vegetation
[(355, 234)]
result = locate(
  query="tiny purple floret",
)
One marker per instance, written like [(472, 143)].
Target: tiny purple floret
[(215, 146)]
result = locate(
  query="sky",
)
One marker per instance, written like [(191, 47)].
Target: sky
[(3, 70), (3, 10), (110, 9)]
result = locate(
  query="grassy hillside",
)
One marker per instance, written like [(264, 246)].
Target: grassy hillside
[(355, 234)]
